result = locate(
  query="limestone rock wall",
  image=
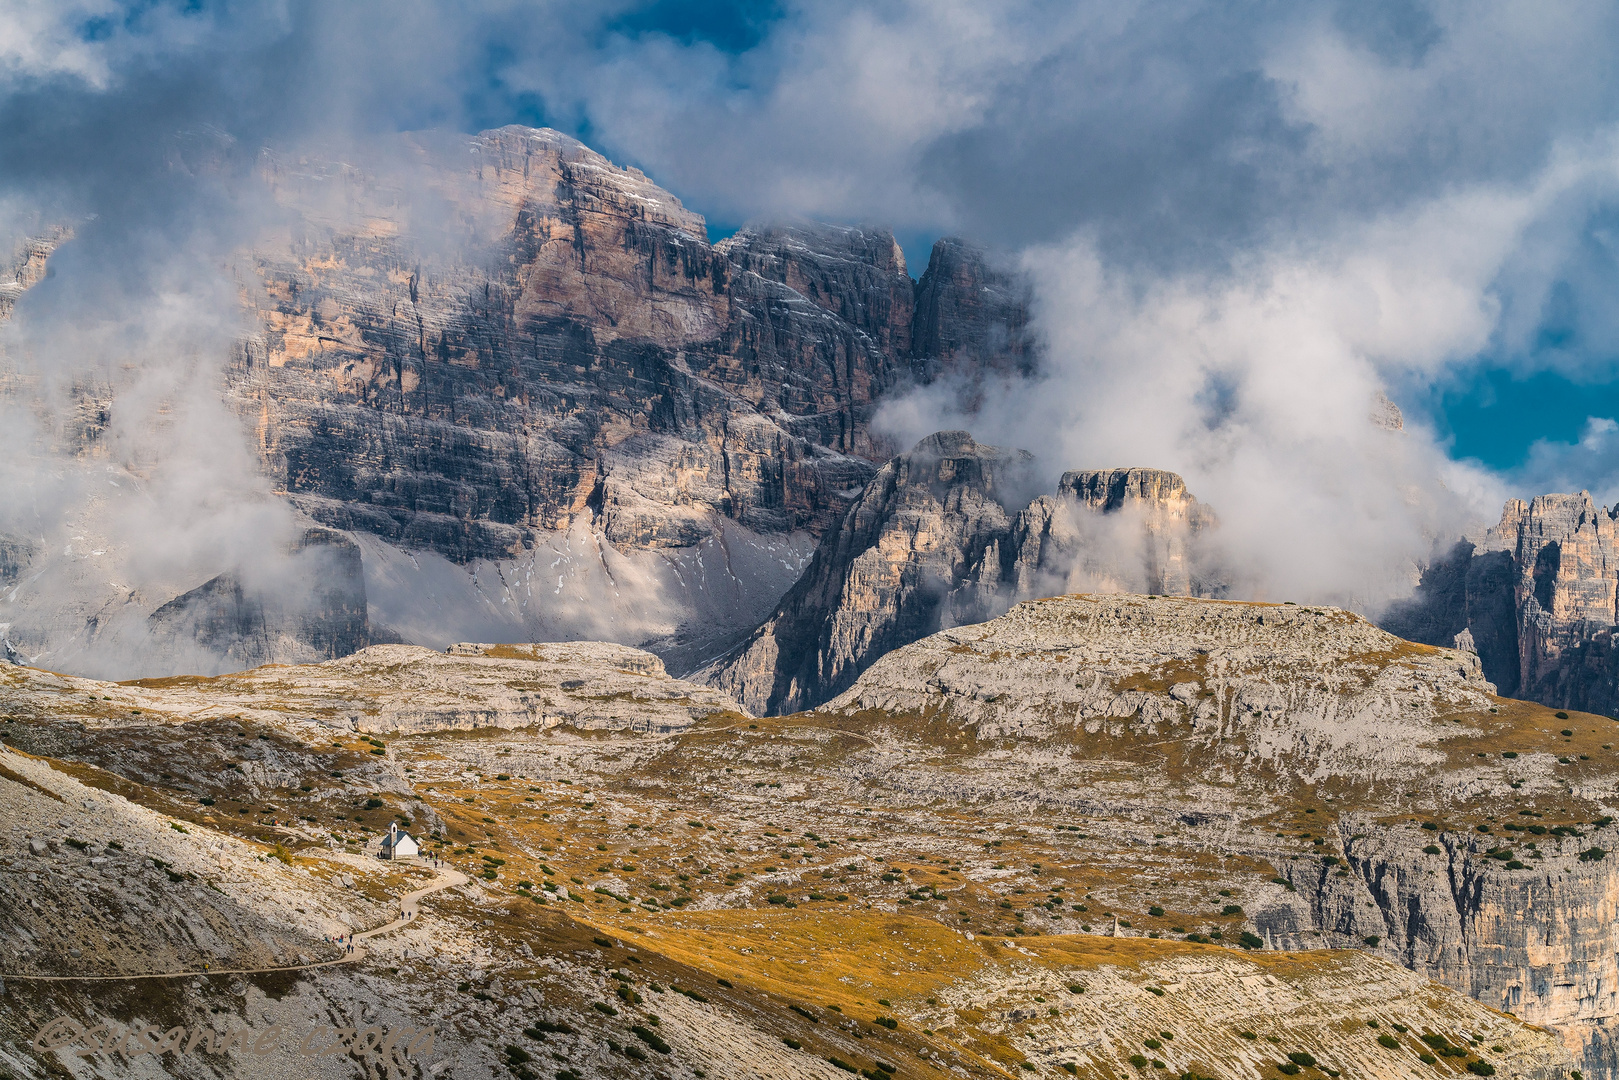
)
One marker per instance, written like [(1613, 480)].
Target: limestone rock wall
[(1537, 596), (574, 349), (972, 316), (1541, 944)]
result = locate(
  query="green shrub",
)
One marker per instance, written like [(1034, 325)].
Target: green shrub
[(1592, 854), (517, 1055), (844, 1065), (1138, 1061), (603, 942), (604, 1008), (1155, 911), (1389, 1041), (1287, 1068), (1152, 1044), (1250, 1036), (1432, 849), (1481, 1068), (886, 1021), (1155, 991), (1560, 716), (1231, 909), (1250, 940), (650, 1037), (1300, 1057), (793, 1044), (1372, 940)]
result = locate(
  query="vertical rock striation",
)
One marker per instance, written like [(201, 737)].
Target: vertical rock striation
[(1537, 597)]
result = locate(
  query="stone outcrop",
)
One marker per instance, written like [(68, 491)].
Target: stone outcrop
[(312, 608), (1269, 683), (1537, 596), (938, 540), (590, 685), (28, 266)]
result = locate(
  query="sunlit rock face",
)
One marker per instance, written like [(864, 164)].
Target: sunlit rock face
[(1537, 596)]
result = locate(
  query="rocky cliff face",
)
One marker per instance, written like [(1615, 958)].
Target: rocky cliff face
[(16, 553), (313, 609), (909, 556), (1124, 530), (584, 352), (972, 316), (584, 355), (499, 360), (1537, 597), (937, 540)]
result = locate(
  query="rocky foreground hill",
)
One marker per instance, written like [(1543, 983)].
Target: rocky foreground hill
[(1095, 833)]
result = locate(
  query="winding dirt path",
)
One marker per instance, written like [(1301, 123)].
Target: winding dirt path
[(408, 909)]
